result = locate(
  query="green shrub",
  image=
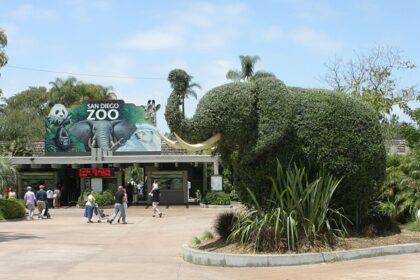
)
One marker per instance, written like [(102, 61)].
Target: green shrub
[(104, 198), (234, 196), (12, 208), (224, 223), (217, 198), (299, 213), (207, 235), (413, 225)]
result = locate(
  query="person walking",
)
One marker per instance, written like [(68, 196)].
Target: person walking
[(30, 199), (41, 201), (89, 206), (56, 197), (155, 194), (50, 198), (118, 206), (125, 205)]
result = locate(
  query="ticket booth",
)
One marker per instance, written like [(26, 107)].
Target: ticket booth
[(172, 184), (100, 179)]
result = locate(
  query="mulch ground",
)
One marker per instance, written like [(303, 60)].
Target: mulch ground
[(352, 242)]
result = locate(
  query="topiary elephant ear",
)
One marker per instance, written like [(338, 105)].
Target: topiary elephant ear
[(275, 112)]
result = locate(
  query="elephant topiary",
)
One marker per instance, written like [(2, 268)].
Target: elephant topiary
[(261, 121)]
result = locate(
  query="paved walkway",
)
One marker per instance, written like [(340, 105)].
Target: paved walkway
[(66, 247)]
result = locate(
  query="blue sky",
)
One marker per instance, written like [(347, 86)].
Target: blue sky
[(147, 39)]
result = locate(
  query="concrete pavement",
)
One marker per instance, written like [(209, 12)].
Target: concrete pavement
[(66, 247)]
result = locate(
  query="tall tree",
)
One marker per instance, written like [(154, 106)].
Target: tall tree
[(372, 77), (247, 69), (70, 90), (24, 114), (182, 86), (63, 91), (3, 44)]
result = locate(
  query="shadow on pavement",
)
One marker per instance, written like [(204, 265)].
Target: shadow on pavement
[(11, 236)]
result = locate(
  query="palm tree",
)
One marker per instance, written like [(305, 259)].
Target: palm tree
[(8, 173), (108, 93), (63, 92), (182, 86), (247, 69), (190, 92)]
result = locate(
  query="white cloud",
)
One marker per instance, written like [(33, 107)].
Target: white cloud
[(26, 11), (203, 27), (305, 37), (155, 40)]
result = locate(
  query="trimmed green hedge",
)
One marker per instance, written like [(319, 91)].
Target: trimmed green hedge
[(12, 209), (217, 198)]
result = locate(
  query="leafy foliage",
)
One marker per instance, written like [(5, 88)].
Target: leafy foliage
[(217, 198), (400, 198), (298, 213), (70, 90), (104, 198), (3, 44), (247, 69), (18, 147), (8, 173), (371, 77), (12, 208)]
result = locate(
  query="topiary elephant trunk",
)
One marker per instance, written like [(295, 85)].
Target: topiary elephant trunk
[(262, 121)]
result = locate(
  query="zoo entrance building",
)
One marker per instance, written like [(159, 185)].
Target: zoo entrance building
[(89, 145)]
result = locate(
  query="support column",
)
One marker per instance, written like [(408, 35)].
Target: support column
[(216, 165), (204, 177)]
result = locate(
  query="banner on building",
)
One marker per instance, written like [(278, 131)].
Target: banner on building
[(111, 125)]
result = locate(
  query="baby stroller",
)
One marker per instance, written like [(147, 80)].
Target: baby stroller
[(100, 214)]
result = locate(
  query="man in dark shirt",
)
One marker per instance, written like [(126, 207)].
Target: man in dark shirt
[(41, 201), (118, 206), (155, 194)]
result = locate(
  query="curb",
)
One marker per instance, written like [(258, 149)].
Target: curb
[(202, 205), (246, 260)]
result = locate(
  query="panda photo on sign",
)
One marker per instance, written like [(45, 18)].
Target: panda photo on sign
[(58, 114), (59, 117)]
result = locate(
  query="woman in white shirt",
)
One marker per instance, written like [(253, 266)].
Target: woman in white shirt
[(89, 206)]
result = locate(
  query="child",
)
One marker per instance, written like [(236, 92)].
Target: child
[(155, 194)]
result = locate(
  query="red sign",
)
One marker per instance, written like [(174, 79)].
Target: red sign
[(96, 172)]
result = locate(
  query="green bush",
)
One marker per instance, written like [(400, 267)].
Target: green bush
[(104, 198), (12, 208), (299, 214), (234, 196), (217, 198)]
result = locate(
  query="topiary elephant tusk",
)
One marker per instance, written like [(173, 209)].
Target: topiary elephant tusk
[(181, 144), (200, 146)]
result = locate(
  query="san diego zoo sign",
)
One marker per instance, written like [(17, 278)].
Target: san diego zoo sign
[(111, 125)]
